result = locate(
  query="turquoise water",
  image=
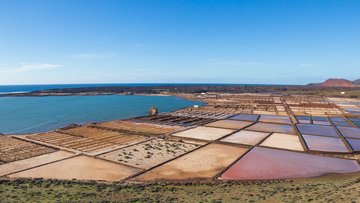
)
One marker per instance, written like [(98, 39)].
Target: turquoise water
[(20, 115)]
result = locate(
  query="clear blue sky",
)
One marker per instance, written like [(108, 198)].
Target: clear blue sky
[(104, 41)]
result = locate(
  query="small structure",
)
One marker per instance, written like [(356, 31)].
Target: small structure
[(153, 111)]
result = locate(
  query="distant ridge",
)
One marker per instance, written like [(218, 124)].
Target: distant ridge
[(357, 82), (333, 82)]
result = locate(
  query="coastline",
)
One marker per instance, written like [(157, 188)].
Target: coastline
[(353, 92)]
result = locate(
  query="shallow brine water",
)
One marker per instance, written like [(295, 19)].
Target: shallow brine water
[(20, 115)]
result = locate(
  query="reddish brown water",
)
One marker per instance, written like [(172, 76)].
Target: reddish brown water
[(317, 130), (263, 163)]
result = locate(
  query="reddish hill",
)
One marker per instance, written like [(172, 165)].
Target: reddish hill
[(337, 83)]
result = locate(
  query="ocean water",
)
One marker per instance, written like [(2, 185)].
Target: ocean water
[(21, 115)]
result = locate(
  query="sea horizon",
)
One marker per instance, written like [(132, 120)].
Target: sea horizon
[(25, 88)]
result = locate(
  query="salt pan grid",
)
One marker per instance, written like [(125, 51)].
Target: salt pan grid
[(231, 124), (136, 128), (355, 121), (354, 143), (243, 106), (204, 133), (275, 119), (12, 149), (314, 114), (325, 144), (304, 119), (283, 141), (318, 120), (350, 132), (269, 127), (170, 120), (246, 137), (317, 130), (24, 164), (264, 163), (203, 163), (103, 135), (150, 153), (338, 121), (201, 114), (321, 122), (246, 117), (80, 168), (85, 144)]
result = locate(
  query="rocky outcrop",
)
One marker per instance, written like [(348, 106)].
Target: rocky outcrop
[(336, 83)]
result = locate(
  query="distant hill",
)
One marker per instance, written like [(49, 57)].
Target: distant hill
[(357, 81), (336, 83)]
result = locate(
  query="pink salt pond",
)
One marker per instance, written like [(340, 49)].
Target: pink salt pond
[(264, 163)]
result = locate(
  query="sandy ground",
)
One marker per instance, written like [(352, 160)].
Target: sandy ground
[(141, 128), (246, 137), (33, 162), (81, 168), (203, 163), (204, 133), (150, 153), (283, 141), (231, 124)]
